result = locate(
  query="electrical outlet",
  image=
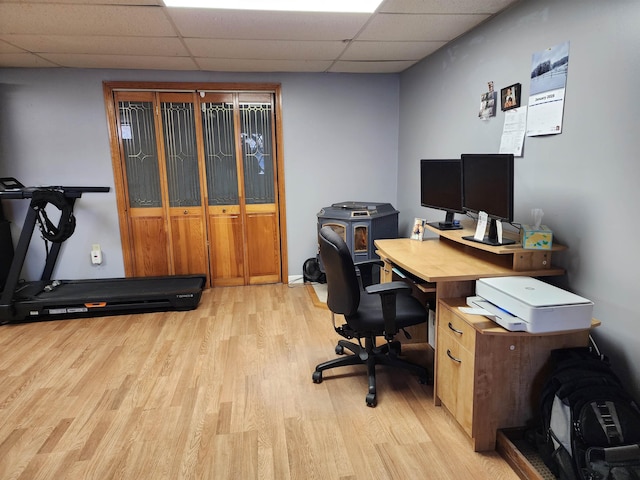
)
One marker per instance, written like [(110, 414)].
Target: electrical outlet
[(96, 254)]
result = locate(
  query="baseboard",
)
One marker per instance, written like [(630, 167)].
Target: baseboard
[(522, 457)]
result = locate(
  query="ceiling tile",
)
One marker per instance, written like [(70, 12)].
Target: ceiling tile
[(240, 24), (264, 49), (23, 60), (419, 27), (370, 67), (64, 19), (154, 46), (9, 47), (390, 50), (247, 65), (133, 62), (158, 3)]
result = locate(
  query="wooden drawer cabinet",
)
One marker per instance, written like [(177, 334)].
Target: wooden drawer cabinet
[(487, 377), (456, 363), (462, 332)]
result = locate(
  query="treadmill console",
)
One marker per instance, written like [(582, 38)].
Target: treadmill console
[(10, 183)]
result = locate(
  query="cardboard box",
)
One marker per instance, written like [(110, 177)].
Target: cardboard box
[(536, 238)]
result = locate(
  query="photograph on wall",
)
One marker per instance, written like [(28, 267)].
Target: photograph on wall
[(549, 70), (488, 103), (510, 97)]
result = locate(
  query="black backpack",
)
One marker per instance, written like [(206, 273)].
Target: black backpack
[(590, 425)]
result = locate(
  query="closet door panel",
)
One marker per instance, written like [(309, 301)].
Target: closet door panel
[(260, 192), (187, 229), (226, 239), (183, 184), (226, 246), (263, 247), (149, 237), (146, 241)]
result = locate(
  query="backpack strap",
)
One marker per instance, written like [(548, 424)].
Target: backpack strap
[(621, 454), (608, 418)]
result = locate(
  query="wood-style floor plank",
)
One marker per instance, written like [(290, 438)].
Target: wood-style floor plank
[(221, 392)]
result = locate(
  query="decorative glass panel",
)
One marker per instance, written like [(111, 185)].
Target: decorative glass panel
[(140, 154), (220, 153), (257, 152), (181, 154), (339, 229)]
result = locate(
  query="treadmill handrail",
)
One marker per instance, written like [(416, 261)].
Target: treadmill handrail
[(68, 191), (28, 227)]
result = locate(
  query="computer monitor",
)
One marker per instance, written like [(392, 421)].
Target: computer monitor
[(487, 186), (441, 188)]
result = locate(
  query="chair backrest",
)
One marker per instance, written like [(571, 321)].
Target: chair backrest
[(343, 288)]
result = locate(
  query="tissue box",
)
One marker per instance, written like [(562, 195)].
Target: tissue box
[(540, 238)]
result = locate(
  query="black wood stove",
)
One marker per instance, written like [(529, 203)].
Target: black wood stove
[(360, 224)]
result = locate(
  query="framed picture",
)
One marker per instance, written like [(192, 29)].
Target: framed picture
[(417, 233), (510, 97)]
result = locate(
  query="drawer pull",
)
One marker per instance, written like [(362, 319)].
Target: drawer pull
[(459, 332), (457, 360)]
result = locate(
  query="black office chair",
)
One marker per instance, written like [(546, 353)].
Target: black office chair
[(370, 311)]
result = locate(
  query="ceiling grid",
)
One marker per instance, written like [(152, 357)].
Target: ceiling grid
[(144, 34)]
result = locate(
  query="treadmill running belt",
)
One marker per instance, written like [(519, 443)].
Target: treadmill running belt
[(82, 298)]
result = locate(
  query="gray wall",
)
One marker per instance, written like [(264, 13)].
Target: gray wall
[(340, 143), (585, 179)]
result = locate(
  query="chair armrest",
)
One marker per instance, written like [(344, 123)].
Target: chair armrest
[(366, 270), (392, 287), (388, 292)]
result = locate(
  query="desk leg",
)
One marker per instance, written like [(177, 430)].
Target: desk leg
[(455, 289), (447, 290), (386, 273)]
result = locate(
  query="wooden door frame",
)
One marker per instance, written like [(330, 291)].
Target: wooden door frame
[(111, 110)]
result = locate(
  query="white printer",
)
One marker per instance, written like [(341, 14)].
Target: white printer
[(526, 304)]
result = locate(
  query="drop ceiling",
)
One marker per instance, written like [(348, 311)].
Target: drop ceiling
[(144, 34)]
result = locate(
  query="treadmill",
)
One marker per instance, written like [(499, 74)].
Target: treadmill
[(48, 299)]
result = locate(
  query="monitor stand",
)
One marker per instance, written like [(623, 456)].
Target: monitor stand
[(448, 224), (445, 226), (492, 238)]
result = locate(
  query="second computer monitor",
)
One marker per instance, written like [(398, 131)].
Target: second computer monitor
[(488, 187)]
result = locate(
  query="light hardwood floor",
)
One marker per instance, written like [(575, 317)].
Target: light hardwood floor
[(221, 392)]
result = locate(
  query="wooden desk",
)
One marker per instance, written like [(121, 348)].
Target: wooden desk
[(452, 267), (487, 377)]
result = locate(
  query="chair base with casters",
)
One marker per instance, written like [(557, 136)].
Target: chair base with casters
[(370, 355)]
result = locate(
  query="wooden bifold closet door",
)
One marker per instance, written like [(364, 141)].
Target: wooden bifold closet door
[(197, 178)]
